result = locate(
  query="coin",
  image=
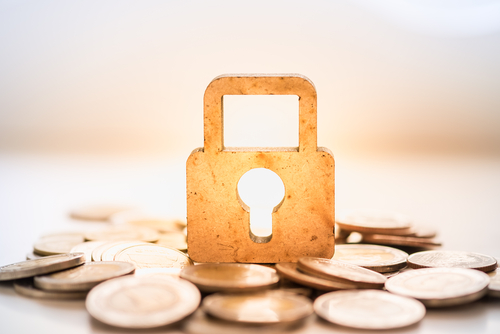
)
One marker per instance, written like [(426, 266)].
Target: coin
[(87, 248), (262, 308), (452, 259), (110, 253), (423, 232), (369, 309), (96, 212), (377, 222), (142, 302), (57, 243), (33, 256), (84, 277), (230, 277), (289, 271), (378, 258), (120, 233), (26, 288), (154, 256), (175, 240), (494, 286), (341, 272), (45, 265), (99, 250), (141, 219), (438, 287), (397, 240)]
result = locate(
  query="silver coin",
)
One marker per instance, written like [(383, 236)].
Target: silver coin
[(87, 248), (84, 277), (26, 288), (494, 286), (263, 307), (145, 256), (438, 287), (341, 271), (230, 277), (110, 253), (369, 221), (142, 302), (59, 243), (369, 309), (452, 259), (45, 265), (378, 258)]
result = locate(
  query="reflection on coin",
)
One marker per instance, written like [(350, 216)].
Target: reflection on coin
[(377, 222), (141, 219), (289, 271), (57, 243), (118, 233), (142, 302), (396, 240), (110, 253), (452, 259), (87, 248), (26, 288), (154, 256), (341, 271), (377, 258), (263, 308), (175, 240), (369, 309), (96, 212), (437, 287), (494, 286), (45, 265), (230, 277), (84, 277)]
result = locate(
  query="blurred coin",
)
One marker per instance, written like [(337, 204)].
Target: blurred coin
[(84, 277), (87, 248), (33, 256), (117, 233), (175, 240), (377, 222), (154, 256), (26, 288), (438, 287), (263, 308), (158, 272), (96, 212), (423, 232), (110, 253), (452, 259), (99, 250), (230, 277), (45, 265), (341, 272), (494, 286), (57, 243), (369, 309), (141, 219), (142, 302), (378, 258), (396, 240), (289, 271)]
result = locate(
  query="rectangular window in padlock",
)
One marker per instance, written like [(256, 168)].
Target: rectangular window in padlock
[(261, 120)]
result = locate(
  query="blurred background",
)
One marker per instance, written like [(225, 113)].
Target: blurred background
[(128, 77)]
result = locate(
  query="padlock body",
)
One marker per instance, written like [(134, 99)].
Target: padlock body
[(219, 227)]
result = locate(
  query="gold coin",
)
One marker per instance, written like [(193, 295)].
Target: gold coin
[(230, 277), (494, 286), (452, 259), (122, 233), (369, 309), (378, 258), (377, 222), (115, 248), (154, 256), (341, 272), (142, 302), (87, 248), (396, 240), (54, 244), (96, 212), (175, 240), (289, 271), (262, 308), (140, 219), (26, 288)]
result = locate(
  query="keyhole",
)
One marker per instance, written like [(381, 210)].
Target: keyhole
[(261, 192)]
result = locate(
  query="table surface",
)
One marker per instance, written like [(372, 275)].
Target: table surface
[(459, 196)]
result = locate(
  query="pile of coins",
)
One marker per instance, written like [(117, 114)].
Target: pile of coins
[(136, 274)]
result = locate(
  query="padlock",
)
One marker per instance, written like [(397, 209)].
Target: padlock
[(218, 224)]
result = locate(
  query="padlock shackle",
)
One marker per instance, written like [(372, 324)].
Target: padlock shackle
[(268, 84)]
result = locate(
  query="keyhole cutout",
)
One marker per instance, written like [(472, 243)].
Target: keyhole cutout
[(261, 192)]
